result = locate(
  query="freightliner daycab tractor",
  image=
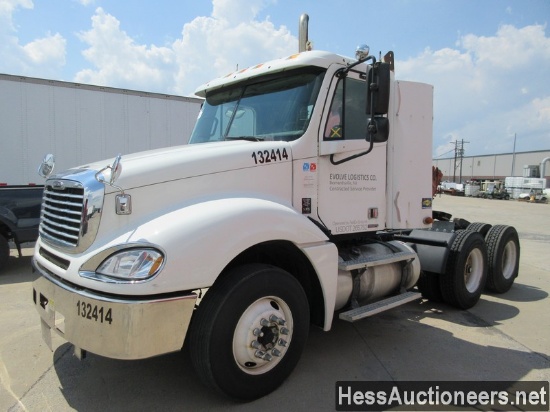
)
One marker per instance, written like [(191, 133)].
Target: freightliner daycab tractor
[(305, 193)]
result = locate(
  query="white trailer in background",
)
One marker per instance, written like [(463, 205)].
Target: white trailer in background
[(81, 123), (522, 185)]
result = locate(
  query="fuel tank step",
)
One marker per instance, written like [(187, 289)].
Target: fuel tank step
[(380, 306), (376, 260)]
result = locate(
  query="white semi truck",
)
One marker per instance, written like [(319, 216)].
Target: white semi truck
[(305, 192)]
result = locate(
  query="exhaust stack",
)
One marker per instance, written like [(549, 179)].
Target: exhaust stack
[(303, 32), (543, 167)]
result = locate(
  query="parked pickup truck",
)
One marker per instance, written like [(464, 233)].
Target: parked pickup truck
[(19, 217)]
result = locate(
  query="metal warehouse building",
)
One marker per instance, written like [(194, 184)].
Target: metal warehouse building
[(497, 166)]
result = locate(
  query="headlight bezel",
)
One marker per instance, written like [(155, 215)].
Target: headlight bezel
[(103, 266)]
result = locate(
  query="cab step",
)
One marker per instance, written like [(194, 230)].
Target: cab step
[(376, 260), (380, 306)]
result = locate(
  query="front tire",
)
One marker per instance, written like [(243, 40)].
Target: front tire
[(466, 270), (503, 255), (249, 331)]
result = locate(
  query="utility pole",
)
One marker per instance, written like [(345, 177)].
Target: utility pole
[(459, 154), (454, 168), (514, 158)]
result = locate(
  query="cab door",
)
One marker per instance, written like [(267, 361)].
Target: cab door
[(351, 193)]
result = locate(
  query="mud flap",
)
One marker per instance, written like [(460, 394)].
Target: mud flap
[(46, 333)]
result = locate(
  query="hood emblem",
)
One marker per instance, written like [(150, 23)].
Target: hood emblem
[(58, 185)]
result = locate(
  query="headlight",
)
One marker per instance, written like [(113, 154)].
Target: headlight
[(132, 264)]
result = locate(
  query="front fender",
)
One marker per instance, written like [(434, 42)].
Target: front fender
[(200, 240)]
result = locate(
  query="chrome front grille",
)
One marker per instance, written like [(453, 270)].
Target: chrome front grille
[(71, 210), (62, 212)]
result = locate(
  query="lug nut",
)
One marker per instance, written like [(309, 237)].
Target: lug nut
[(274, 318), (257, 332), (284, 331), (264, 322), (282, 342), (267, 357), (276, 352), (259, 354), (255, 344)]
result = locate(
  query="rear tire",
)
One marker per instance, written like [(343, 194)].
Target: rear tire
[(444, 217), (480, 227), (503, 257), (249, 331), (466, 270), (4, 252)]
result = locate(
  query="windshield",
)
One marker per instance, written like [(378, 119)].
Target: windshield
[(274, 108)]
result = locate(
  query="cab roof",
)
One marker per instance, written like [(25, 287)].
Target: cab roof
[(307, 58)]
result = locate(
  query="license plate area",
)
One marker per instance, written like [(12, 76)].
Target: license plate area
[(94, 312)]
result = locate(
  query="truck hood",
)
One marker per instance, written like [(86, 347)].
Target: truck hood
[(182, 162)]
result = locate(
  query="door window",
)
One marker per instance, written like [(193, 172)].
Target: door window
[(347, 119)]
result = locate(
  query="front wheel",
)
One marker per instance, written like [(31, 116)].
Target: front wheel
[(249, 331), (466, 270)]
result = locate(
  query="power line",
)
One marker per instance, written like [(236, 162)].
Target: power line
[(443, 154)]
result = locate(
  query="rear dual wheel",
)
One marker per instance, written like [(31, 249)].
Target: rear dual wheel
[(487, 257), (466, 270), (503, 255), (480, 227)]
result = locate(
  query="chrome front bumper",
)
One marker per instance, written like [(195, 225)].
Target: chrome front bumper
[(114, 327)]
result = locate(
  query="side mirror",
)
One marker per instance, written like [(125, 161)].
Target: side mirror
[(114, 172), (378, 90), (382, 130), (46, 167)]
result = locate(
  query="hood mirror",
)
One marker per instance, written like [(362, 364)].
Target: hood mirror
[(46, 167)]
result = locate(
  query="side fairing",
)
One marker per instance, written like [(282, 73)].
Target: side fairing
[(409, 156)]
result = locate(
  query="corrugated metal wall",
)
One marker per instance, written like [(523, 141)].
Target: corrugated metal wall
[(82, 123), (496, 166)]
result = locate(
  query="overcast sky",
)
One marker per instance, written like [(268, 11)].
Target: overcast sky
[(489, 60)]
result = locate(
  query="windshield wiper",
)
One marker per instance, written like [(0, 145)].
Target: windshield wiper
[(249, 138)]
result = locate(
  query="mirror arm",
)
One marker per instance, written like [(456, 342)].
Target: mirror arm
[(351, 66), (100, 179), (372, 124)]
